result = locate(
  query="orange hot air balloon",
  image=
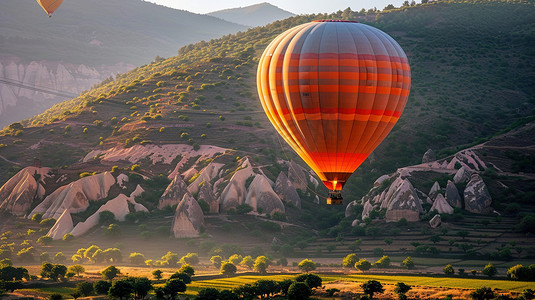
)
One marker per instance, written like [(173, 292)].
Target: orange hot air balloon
[(49, 5), (333, 90)]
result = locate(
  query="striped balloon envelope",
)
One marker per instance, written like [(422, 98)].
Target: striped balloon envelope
[(333, 90)]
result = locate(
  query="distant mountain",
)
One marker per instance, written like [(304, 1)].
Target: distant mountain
[(253, 15), (84, 43)]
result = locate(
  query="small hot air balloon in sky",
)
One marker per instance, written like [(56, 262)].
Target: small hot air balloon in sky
[(333, 90), (49, 5)]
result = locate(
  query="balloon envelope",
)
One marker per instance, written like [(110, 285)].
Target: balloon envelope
[(333, 90), (49, 5)]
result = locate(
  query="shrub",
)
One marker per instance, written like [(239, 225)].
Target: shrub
[(101, 287), (190, 259), (383, 262), (44, 240), (187, 269), (137, 258), (449, 270), (363, 265), (371, 287), (312, 280), (228, 269), (408, 263), (110, 272), (299, 291), (490, 270), (307, 265)]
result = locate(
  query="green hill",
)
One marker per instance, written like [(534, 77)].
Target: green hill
[(472, 68)]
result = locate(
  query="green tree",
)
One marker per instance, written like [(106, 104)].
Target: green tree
[(248, 262), (84, 288), (372, 287), (217, 260), (307, 265), (190, 259), (299, 291), (363, 265), (408, 263), (449, 270), (383, 262), (171, 258), (121, 289), (484, 293), (140, 287), (106, 217), (137, 258), (110, 272), (207, 294), (101, 287), (187, 269), (261, 264), (266, 288), (312, 280), (182, 276), (157, 274), (76, 269), (350, 260), (228, 269), (235, 259), (401, 289), (60, 258), (174, 286), (490, 270)]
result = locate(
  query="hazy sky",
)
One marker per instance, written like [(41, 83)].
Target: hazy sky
[(294, 6)]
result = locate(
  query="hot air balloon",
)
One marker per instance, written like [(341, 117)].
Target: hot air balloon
[(333, 90), (49, 5)]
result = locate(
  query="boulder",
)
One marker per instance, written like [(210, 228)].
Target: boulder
[(349, 207), (121, 180), (461, 176), (18, 194), (355, 223), (188, 218), (402, 202), (75, 196), (435, 221), (434, 190), (298, 176), (366, 210), (316, 200), (286, 191), (174, 192), (452, 195), (62, 226), (260, 195), (441, 205), (476, 196), (235, 192), (429, 156), (206, 194), (380, 180)]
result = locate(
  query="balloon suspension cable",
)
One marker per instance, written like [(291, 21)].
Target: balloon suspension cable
[(295, 172)]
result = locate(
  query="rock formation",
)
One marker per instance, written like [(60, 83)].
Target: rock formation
[(75, 196), (121, 180), (286, 191), (435, 221), (188, 218), (380, 180), (235, 192), (62, 226), (476, 196), (429, 156), (298, 176), (441, 205), (207, 195), (206, 175), (434, 190), (260, 196), (401, 201), (19, 193), (461, 176), (366, 210), (174, 193), (452, 195), (349, 207)]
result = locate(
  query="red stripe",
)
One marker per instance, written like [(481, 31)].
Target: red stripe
[(349, 56), (346, 111)]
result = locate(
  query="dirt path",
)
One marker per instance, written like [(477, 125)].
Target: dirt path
[(10, 161)]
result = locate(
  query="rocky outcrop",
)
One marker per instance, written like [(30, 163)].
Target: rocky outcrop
[(188, 218), (476, 196), (429, 156), (121, 180), (18, 194), (206, 175), (298, 176), (380, 180), (349, 208), (401, 201), (174, 193), (62, 226), (366, 210), (235, 192), (76, 196), (441, 205), (261, 197), (435, 221), (434, 190), (207, 195), (286, 191), (461, 176), (452, 195)]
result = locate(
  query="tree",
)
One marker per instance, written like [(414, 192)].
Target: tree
[(182, 276), (171, 258), (174, 286), (106, 217), (363, 265), (77, 269), (157, 274), (408, 263), (449, 270), (299, 291), (44, 240), (266, 288), (307, 265), (190, 259), (235, 259), (84, 288), (284, 285), (484, 293), (55, 297), (520, 272), (261, 264), (60, 257), (137, 258), (247, 262), (371, 287), (140, 287), (490, 270), (312, 280), (207, 294), (110, 272), (350, 260), (101, 287), (401, 289), (435, 239), (216, 261), (187, 269), (383, 262), (462, 233), (228, 269), (355, 245), (121, 289), (113, 230)]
